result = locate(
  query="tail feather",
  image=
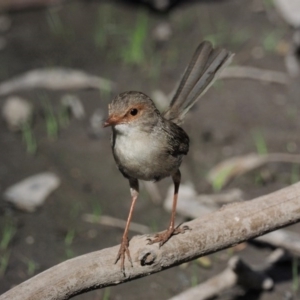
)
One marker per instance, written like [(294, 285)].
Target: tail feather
[(202, 71)]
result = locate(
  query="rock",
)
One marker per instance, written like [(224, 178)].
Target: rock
[(188, 206), (73, 103), (96, 123), (31, 192), (289, 10), (160, 99), (192, 205), (16, 112)]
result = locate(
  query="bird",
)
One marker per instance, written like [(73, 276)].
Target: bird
[(150, 145)]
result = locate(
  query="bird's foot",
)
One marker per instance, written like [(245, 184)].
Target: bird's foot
[(163, 237), (123, 251)]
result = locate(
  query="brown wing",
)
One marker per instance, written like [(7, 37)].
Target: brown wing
[(201, 72), (178, 140)]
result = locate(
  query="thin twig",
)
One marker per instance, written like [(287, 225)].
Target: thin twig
[(114, 222)]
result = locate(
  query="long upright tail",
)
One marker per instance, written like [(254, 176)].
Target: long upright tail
[(201, 72)]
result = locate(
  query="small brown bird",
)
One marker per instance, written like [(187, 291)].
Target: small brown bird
[(148, 145)]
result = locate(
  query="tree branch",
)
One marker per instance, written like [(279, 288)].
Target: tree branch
[(230, 225)]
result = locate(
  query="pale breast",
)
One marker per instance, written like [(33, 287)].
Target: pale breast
[(142, 155)]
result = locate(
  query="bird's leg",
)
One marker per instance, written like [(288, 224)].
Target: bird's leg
[(124, 248), (163, 237)]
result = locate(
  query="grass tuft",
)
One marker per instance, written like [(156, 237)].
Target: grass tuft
[(106, 294), (295, 283), (260, 142), (7, 235), (51, 120), (295, 174), (56, 25), (4, 260), (69, 238), (29, 138), (134, 52)]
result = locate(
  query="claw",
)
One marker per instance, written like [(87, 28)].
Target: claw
[(123, 251), (163, 237)]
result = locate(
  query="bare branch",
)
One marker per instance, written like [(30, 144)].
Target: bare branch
[(238, 272), (285, 239), (254, 73), (230, 225)]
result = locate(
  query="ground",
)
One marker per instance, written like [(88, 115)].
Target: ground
[(105, 39)]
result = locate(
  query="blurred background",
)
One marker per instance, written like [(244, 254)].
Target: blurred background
[(62, 62)]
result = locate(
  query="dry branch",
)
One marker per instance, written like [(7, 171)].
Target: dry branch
[(115, 222), (230, 225), (235, 166), (285, 239), (254, 73), (55, 79), (238, 272)]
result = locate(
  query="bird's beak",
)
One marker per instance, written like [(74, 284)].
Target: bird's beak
[(111, 120)]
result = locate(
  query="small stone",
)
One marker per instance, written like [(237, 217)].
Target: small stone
[(96, 123), (160, 5), (160, 99), (31, 192), (29, 240), (16, 112), (204, 262), (184, 265), (162, 32)]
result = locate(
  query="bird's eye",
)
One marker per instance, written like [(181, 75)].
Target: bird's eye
[(133, 112)]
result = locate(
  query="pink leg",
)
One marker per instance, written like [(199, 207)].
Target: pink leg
[(124, 248), (163, 237)]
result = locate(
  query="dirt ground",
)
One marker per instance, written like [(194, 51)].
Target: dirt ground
[(96, 37)]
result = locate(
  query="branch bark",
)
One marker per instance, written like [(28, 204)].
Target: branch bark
[(232, 224)]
